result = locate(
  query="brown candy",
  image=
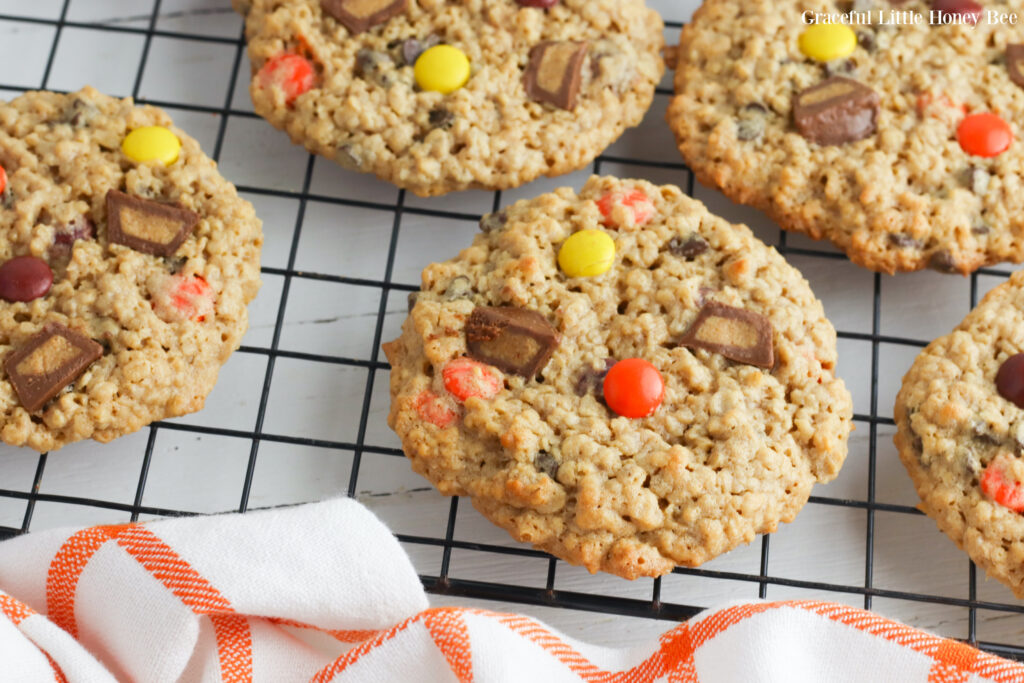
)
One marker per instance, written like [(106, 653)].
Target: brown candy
[(735, 333), (511, 339), (359, 15), (554, 72), (1015, 63), (836, 111), (48, 362), (147, 226)]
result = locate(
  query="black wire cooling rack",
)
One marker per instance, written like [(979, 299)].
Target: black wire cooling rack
[(147, 27)]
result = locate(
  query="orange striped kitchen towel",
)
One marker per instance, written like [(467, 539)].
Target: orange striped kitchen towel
[(323, 592)]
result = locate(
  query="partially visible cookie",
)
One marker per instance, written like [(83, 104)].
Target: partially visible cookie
[(960, 420), (439, 96), (621, 379), (126, 263), (897, 143)]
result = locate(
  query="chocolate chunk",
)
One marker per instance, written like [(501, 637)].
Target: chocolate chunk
[(147, 226), (554, 72), (493, 221), (866, 39), (943, 262), (545, 463), (359, 15), (905, 242), (458, 288), (511, 339), (1015, 63), (440, 118), (591, 379), (50, 360), (688, 248), (836, 111), (79, 229), (410, 49), (735, 333)]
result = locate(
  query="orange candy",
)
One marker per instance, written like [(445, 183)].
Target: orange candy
[(994, 484), (635, 200), (434, 409), (292, 73), (3, 180), (184, 298), (984, 135), (465, 378), (633, 388)]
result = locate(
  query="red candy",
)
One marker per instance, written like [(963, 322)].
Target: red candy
[(635, 200), (633, 388), (465, 378), (434, 409), (953, 10), (291, 73), (24, 278), (984, 135), (184, 298), (538, 3), (998, 484), (3, 180)]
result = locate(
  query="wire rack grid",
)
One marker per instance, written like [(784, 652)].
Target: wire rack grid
[(299, 412)]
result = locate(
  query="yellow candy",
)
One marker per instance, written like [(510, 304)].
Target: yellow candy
[(587, 253), (152, 143), (825, 42), (442, 68)]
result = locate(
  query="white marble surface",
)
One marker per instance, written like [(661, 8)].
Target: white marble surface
[(193, 471)]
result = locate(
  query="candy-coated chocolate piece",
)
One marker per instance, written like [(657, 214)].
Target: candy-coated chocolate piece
[(736, 333), (24, 278), (292, 73), (636, 201), (183, 297), (633, 388), (465, 378), (511, 339), (3, 180), (1010, 379), (587, 253), (434, 409), (49, 361), (962, 11), (359, 15), (825, 42), (152, 143), (538, 3), (442, 68), (984, 135), (836, 111), (1001, 482)]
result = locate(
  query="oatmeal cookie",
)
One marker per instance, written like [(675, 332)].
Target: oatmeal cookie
[(126, 264), (960, 420), (437, 96), (620, 378), (895, 142)]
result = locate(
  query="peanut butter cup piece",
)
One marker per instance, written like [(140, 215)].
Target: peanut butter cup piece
[(511, 339), (147, 226), (48, 362), (555, 72), (836, 111), (736, 333), (359, 15)]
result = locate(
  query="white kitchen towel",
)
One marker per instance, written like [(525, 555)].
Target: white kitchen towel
[(323, 592)]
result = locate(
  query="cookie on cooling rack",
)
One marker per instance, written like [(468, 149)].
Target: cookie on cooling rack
[(439, 96), (126, 264), (897, 143), (960, 420), (620, 378)]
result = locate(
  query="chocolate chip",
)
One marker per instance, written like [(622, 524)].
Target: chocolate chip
[(555, 72), (7, 198), (409, 50), (736, 333), (175, 264), (459, 288), (905, 241), (688, 248), (359, 15), (943, 262), (493, 221), (440, 118), (1015, 63), (545, 463), (1010, 379), (750, 123), (866, 39), (79, 113), (591, 379), (836, 111), (147, 226), (79, 229), (839, 67), (411, 299), (981, 229), (978, 179), (49, 361), (371, 65), (511, 339)]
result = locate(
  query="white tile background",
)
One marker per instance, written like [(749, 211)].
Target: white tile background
[(314, 441)]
